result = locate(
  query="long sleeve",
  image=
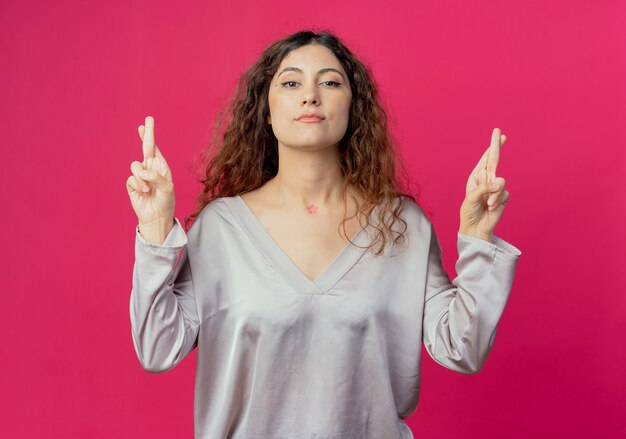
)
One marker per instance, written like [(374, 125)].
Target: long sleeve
[(163, 311), (281, 355), (460, 319)]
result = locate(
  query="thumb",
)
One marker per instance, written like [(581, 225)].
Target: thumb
[(161, 182), (479, 192)]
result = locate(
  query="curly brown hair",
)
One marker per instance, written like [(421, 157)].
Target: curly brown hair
[(243, 152)]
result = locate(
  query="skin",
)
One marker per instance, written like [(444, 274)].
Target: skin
[(485, 195), (301, 206), (308, 171), (151, 189)]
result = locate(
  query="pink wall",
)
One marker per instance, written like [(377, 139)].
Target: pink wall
[(77, 79)]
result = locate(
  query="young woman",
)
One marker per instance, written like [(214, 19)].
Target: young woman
[(308, 278)]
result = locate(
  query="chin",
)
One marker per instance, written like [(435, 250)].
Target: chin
[(313, 145), (310, 140)]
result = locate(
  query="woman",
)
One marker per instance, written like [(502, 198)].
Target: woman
[(308, 279)]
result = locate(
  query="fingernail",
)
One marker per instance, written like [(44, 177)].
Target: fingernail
[(143, 174), (495, 186)]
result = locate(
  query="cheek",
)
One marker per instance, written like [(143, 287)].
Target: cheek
[(278, 106), (343, 107), (344, 102)]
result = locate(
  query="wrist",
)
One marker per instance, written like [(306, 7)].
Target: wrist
[(476, 234), (157, 230)]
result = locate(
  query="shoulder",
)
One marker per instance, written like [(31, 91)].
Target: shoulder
[(212, 215), (410, 229), (216, 207), (409, 212), (413, 213)]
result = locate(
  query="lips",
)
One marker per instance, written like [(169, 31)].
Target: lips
[(310, 117)]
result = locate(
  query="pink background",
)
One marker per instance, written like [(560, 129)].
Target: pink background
[(77, 78)]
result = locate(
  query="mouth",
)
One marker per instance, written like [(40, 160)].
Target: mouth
[(311, 119)]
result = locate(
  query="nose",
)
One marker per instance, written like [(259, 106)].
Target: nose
[(310, 96)]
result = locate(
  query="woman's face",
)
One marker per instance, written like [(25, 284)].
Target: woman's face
[(310, 79)]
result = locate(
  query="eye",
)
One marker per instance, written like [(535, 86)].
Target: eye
[(292, 84)]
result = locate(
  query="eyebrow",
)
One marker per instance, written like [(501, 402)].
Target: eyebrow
[(296, 69)]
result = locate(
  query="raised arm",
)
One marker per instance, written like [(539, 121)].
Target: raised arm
[(461, 318), (163, 310)]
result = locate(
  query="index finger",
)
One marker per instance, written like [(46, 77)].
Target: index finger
[(494, 154), (148, 138)]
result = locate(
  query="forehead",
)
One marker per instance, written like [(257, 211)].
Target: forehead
[(310, 57)]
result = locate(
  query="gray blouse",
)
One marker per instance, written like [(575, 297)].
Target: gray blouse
[(282, 356)]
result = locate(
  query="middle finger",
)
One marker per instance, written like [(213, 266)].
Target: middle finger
[(494, 154), (148, 139)]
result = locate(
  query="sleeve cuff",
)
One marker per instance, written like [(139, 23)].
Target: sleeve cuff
[(175, 240), (497, 244)]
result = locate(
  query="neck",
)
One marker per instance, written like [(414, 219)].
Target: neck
[(308, 177)]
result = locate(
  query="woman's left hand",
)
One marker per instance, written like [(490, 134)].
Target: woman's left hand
[(484, 201)]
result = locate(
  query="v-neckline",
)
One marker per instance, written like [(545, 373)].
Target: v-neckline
[(284, 265)]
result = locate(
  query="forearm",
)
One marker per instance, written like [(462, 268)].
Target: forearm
[(460, 318), (162, 305), (156, 231)]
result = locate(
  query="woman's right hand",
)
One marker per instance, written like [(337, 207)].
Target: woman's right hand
[(151, 189)]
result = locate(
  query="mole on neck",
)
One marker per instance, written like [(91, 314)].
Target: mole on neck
[(311, 208)]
